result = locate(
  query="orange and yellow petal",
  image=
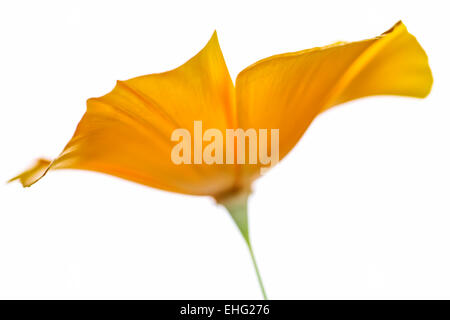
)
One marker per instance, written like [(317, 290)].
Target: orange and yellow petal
[(34, 173), (127, 132), (288, 91)]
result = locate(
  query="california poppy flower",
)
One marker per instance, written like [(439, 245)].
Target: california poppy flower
[(128, 132)]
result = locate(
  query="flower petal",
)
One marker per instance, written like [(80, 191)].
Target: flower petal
[(288, 91), (127, 132), (33, 174)]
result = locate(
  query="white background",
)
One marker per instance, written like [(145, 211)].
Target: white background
[(359, 209)]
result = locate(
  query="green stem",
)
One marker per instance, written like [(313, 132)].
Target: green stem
[(261, 285), (237, 207)]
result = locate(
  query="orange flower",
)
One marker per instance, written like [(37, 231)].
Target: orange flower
[(127, 132)]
